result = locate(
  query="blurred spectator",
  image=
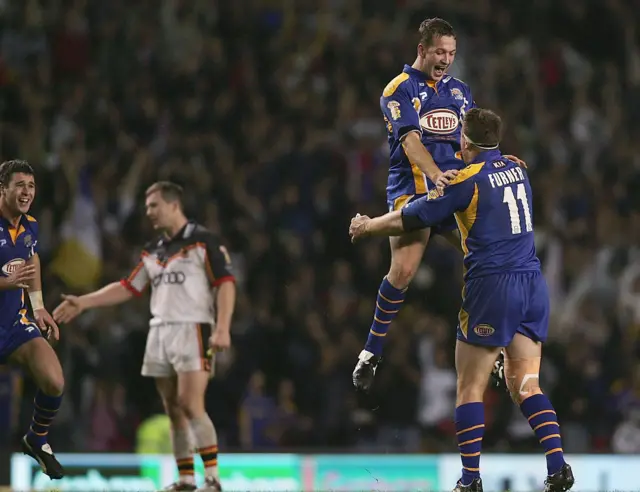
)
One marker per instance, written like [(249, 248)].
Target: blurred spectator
[(112, 421), (258, 416)]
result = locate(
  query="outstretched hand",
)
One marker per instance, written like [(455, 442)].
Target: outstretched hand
[(358, 227), (68, 310)]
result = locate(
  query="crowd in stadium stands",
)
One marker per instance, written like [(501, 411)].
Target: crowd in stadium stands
[(267, 112)]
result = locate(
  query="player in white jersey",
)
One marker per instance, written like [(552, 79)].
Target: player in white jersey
[(190, 273)]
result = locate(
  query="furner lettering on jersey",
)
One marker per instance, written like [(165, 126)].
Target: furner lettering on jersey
[(506, 177)]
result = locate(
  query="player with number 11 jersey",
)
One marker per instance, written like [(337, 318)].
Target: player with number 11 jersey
[(423, 109), (505, 300)]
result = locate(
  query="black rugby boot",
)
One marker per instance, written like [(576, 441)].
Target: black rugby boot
[(365, 370), (45, 458), (560, 481), (475, 486)]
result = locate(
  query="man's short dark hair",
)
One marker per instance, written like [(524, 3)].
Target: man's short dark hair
[(170, 192), (9, 168), (433, 28), (482, 127)]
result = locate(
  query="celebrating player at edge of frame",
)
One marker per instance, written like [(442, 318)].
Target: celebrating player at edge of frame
[(192, 291), (505, 300), (21, 340), (422, 108)]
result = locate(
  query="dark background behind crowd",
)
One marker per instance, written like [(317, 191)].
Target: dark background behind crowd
[(267, 112)]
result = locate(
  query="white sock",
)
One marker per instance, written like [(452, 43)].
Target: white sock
[(206, 440), (183, 452)]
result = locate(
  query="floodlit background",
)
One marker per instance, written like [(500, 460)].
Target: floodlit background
[(267, 112)]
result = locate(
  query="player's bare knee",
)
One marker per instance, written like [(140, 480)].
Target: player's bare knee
[(52, 385), (190, 406), (173, 410), (401, 273), (469, 395), (46, 370), (523, 386), (470, 389)]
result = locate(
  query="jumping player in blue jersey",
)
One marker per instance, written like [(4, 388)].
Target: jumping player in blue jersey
[(21, 330), (423, 108), (505, 301)]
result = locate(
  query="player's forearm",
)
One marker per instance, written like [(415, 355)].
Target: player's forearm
[(420, 156), (109, 295), (386, 225), (225, 304), (35, 285)]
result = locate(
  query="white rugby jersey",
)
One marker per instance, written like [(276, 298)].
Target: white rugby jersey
[(182, 272)]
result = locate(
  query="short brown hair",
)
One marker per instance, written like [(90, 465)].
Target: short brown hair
[(170, 192), (482, 127), (433, 28), (9, 168)]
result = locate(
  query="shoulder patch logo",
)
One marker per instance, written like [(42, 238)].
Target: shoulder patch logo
[(394, 108)]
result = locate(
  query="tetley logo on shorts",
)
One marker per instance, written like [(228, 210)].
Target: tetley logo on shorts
[(11, 266), (484, 330), (169, 278)]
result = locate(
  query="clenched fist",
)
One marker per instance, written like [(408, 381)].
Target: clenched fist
[(358, 227)]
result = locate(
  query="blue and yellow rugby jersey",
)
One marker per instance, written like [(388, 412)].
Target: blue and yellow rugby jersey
[(412, 102), (491, 200), (17, 245)]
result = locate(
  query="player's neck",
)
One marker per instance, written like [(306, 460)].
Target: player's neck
[(12, 217), (176, 227), (474, 155), (416, 66)]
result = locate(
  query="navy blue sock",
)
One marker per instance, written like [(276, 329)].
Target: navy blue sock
[(542, 419), (45, 408), (469, 432), (387, 306)]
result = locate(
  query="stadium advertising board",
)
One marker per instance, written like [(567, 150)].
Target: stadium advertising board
[(128, 473), (90, 472), (374, 472), (344, 473), (594, 473)]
